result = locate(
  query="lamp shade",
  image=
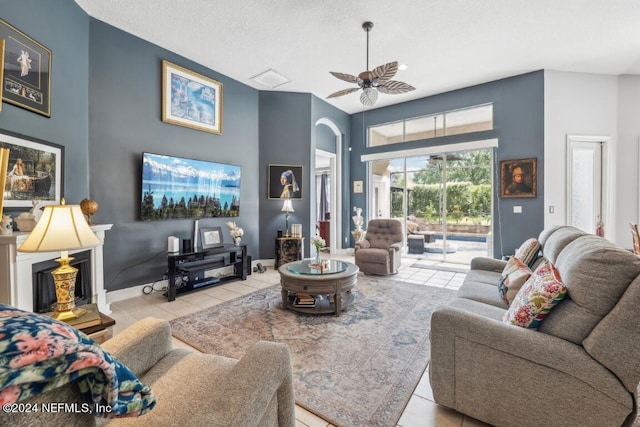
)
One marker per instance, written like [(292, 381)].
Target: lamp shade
[(287, 207), (61, 228)]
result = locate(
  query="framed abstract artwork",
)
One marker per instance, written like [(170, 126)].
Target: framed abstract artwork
[(190, 99), (518, 178), (35, 171), (26, 74), (285, 182)]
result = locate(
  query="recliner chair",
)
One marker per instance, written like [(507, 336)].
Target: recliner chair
[(381, 249)]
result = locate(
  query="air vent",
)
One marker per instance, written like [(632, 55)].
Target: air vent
[(270, 78)]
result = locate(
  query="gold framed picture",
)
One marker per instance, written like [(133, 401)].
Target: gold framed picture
[(358, 187), (190, 99)]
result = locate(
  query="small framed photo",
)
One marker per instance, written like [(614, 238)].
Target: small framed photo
[(285, 182), (358, 187), (190, 99), (211, 237), (26, 81), (518, 178)]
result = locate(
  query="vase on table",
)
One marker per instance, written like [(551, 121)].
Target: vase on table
[(236, 241), (6, 225)]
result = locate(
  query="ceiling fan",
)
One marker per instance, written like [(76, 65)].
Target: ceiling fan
[(372, 82)]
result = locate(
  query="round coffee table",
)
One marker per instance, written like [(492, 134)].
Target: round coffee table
[(329, 289)]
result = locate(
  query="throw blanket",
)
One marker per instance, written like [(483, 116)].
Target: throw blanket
[(38, 354)]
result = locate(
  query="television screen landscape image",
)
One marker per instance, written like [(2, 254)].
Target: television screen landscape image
[(179, 188)]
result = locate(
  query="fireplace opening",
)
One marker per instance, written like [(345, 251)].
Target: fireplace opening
[(44, 289)]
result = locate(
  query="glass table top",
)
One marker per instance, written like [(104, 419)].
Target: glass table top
[(310, 267)]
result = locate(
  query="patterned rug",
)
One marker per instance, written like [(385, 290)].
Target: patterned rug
[(357, 369)]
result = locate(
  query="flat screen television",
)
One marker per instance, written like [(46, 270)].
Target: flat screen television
[(179, 188)]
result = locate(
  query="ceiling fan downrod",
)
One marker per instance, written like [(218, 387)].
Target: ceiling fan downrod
[(367, 26)]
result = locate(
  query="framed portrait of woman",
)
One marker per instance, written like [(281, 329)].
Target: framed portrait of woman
[(285, 182)]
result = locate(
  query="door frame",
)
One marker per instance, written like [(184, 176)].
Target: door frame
[(335, 159), (608, 179)]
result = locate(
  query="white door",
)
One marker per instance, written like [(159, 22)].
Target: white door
[(584, 182)]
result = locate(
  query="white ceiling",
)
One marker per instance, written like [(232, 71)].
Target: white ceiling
[(447, 44)]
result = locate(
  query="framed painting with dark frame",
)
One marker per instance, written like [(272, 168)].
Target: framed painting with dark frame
[(190, 99), (27, 71), (518, 178), (285, 182), (211, 237), (35, 171)]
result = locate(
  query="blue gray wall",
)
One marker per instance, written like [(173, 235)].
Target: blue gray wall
[(125, 104), (518, 108), (106, 111), (63, 27)]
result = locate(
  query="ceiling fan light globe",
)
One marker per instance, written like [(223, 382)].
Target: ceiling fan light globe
[(369, 96)]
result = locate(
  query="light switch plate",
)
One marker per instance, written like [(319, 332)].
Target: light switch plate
[(517, 209)]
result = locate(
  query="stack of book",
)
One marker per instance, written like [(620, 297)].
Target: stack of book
[(90, 318), (304, 300)]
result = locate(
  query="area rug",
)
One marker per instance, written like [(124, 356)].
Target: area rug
[(356, 369)]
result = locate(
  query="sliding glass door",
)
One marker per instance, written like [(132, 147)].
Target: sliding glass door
[(444, 197)]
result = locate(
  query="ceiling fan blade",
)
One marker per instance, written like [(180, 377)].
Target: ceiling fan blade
[(346, 77), (393, 87), (386, 71), (343, 92)]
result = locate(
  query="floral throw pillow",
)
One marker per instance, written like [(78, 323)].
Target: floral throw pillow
[(543, 291), (514, 275), (528, 251)]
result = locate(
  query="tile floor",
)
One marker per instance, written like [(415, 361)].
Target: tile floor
[(420, 411)]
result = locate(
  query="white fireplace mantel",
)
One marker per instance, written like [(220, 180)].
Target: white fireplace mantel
[(16, 276)]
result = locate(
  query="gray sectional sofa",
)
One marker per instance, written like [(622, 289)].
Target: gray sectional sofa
[(581, 368)]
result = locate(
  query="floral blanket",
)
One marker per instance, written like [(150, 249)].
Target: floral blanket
[(38, 354)]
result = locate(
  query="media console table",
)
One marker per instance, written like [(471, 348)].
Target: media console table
[(186, 269)]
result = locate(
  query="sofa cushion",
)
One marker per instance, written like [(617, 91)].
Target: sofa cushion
[(42, 354), (382, 233), (596, 273), (536, 298), (554, 240), (485, 293), (528, 251), (615, 341), (515, 274), (374, 255)]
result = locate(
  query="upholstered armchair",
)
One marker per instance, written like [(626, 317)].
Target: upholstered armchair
[(381, 249)]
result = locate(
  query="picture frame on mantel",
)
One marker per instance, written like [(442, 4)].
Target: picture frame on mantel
[(190, 99), (35, 171), (26, 76)]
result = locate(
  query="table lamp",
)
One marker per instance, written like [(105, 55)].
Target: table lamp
[(62, 228), (286, 208)]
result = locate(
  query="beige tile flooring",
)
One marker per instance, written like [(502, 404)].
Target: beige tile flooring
[(420, 411)]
